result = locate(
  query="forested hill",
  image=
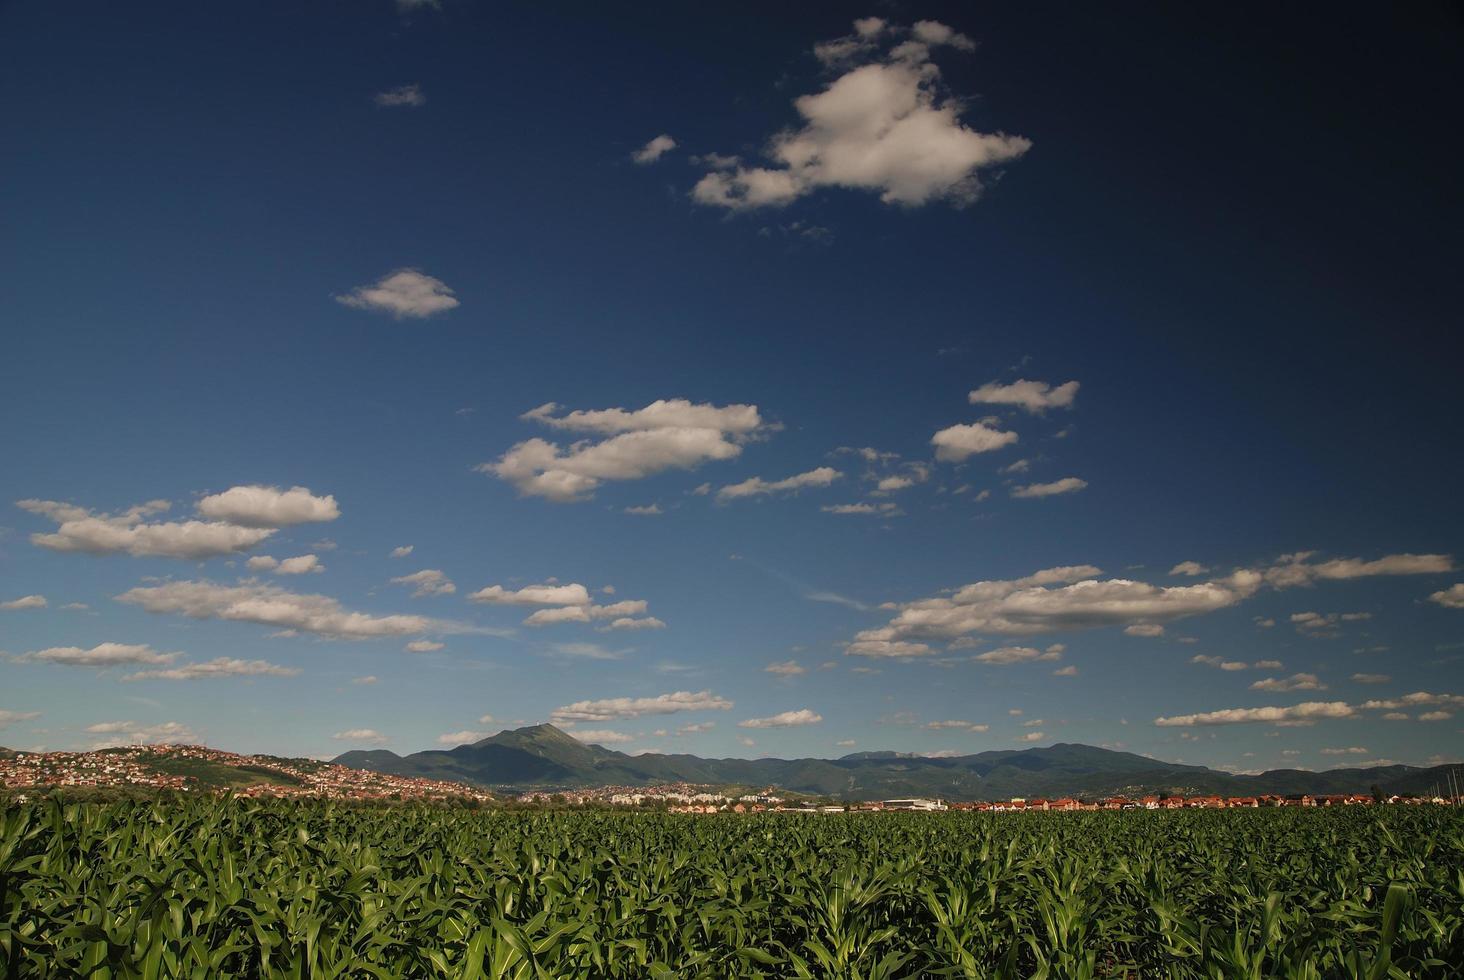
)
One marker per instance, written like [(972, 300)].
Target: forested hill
[(544, 756)]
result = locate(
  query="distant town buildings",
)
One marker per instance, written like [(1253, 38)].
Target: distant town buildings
[(147, 767)]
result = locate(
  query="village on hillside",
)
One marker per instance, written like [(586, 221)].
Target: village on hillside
[(198, 768)]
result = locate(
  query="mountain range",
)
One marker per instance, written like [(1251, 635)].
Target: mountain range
[(544, 757)]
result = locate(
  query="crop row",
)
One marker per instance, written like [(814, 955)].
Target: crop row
[(208, 888)]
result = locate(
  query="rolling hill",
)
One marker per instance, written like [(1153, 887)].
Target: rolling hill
[(542, 756)]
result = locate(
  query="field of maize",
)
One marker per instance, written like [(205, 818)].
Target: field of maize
[(219, 887)]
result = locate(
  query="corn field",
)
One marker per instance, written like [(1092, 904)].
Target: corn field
[(210, 888)]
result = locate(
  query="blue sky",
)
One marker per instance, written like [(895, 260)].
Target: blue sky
[(928, 378)]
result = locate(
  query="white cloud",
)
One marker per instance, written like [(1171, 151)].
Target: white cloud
[(271, 605), (1031, 737), (612, 709), (465, 737), (1296, 682), (9, 717), (645, 510), (131, 733), (880, 643), (1144, 629), (559, 614), (218, 667), (1068, 484), (261, 506), (667, 434), (654, 150), (673, 413), (547, 594), (959, 442), (404, 95), (1295, 569), (628, 623), (614, 610), (299, 565), (1435, 716), (1450, 598), (785, 719), (368, 679), (402, 551), (863, 509), (1190, 568), (1063, 598), (756, 486), (696, 728), (601, 736), (427, 582), (1033, 396), (80, 530), (403, 293), (366, 736), (424, 646), (101, 655), (1019, 655), (1414, 700), (1071, 670), (969, 726), (589, 651), (881, 127), (1305, 712), (786, 668), (262, 563), (25, 602), (1231, 665), (1371, 678), (1351, 750)]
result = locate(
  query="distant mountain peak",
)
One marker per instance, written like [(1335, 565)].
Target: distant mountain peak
[(546, 756)]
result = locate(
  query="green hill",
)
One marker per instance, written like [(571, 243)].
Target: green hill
[(542, 756)]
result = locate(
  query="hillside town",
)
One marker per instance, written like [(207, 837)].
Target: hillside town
[(197, 768)]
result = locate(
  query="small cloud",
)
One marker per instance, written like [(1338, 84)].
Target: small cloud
[(423, 646), (647, 510), (368, 679), (787, 668), (405, 95), (465, 737), (786, 719), (402, 551), (25, 602), (601, 736), (1190, 568), (403, 293), (654, 150), (363, 736), (1370, 678), (1068, 484)]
